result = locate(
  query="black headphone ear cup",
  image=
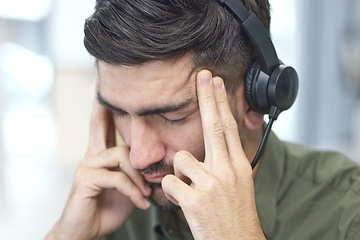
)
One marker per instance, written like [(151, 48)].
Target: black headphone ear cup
[(250, 79), (283, 87)]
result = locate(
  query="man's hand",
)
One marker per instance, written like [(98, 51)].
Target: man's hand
[(102, 197), (220, 202)]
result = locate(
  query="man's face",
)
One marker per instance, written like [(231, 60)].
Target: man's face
[(156, 113)]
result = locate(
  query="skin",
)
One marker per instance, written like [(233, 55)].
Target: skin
[(159, 109)]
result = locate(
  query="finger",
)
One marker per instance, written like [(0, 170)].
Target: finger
[(188, 169), (101, 179), (215, 147), (136, 177), (108, 158), (167, 191), (231, 131), (176, 190), (102, 131), (118, 157)]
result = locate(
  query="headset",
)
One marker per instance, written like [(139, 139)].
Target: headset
[(270, 86)]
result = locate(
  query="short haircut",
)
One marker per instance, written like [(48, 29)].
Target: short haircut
[(132, 32)]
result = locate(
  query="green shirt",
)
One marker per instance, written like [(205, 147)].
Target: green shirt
[(300, 194)]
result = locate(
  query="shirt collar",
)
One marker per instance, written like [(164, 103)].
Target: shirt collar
[(167, 224), (267, 181)]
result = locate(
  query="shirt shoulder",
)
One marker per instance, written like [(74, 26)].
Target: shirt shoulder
[(331, 168), (320, 193)]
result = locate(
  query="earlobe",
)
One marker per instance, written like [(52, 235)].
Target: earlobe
[(253, 120)]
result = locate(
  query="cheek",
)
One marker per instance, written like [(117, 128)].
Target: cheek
[(189, 138), (194, 143)]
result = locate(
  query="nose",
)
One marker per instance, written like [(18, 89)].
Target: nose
[(146, 146)]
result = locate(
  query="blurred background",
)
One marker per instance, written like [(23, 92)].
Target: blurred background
[(47, 84)]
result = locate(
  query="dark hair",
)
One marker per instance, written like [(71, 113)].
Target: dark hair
[(131, 32)]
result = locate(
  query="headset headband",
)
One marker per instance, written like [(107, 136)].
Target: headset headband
[(271, 87), (257, 34)]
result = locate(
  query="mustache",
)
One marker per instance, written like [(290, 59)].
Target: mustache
[(161, 166)]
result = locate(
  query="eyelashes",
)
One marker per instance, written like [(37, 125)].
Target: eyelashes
[(169, 121), (173, 121)]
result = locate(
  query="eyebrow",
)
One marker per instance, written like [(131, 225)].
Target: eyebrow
[(111, 107), (172, 107)]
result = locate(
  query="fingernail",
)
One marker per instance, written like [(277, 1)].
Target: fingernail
[(218, 83), (204, 78)]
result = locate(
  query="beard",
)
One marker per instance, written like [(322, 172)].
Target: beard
[(159, 199), (157, 196)]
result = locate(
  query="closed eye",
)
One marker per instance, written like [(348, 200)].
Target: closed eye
[(173, 121)]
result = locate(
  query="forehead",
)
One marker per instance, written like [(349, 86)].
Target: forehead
[(149, 84)]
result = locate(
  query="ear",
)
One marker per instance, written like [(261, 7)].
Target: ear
[(249, 119), (253, 120)]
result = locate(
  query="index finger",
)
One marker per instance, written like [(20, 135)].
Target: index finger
[(215, 145)]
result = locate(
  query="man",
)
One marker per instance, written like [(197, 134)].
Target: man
[(171, 83)]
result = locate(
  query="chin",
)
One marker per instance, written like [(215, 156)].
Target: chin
[(159, 199)]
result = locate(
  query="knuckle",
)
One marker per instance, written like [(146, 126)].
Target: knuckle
[(80, 175), (217, 128), (206, 96), (83, 177), (230, 124), (222, 100), (232, 178), (212, 183)]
